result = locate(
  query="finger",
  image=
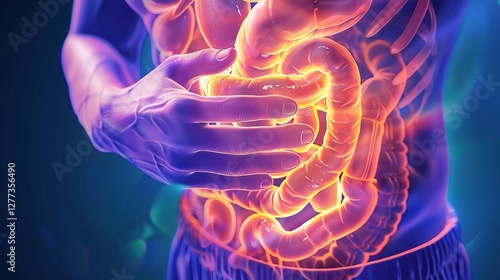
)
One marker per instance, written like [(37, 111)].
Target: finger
[(233, 165), (305, 89), (247, 140), (201, 180), (184, 69), (199, 109)]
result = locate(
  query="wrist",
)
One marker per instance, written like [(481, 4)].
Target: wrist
[(114, 115)]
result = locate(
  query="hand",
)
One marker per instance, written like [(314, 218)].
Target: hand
[(171, 134)]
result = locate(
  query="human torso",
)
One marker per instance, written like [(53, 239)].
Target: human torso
[(419, 199)]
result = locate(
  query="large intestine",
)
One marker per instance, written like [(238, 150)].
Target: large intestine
[(356, 180)]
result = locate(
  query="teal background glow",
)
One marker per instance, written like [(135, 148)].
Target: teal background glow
[(106, 217), (474, 143)]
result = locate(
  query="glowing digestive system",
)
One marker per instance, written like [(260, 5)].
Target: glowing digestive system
[(350, 188)]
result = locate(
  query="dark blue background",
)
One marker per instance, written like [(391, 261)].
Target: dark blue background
[(106, 218)]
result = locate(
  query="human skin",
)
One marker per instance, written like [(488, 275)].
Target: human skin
[(412, 121), (154, 121)]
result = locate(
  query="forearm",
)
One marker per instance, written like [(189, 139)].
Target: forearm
[(95, 72)]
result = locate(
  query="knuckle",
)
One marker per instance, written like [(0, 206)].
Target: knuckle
[(233, 110), (241, 148), (266, 136), (173, 67), (181, 108)]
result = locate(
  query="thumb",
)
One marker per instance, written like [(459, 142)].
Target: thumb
[(185, 69)]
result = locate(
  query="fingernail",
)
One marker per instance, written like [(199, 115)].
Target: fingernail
[(306, 137), (265, 184), (223, 54), (288, 164), (289, 109)]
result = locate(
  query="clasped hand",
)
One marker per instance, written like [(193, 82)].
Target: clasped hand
[(176, 136)]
